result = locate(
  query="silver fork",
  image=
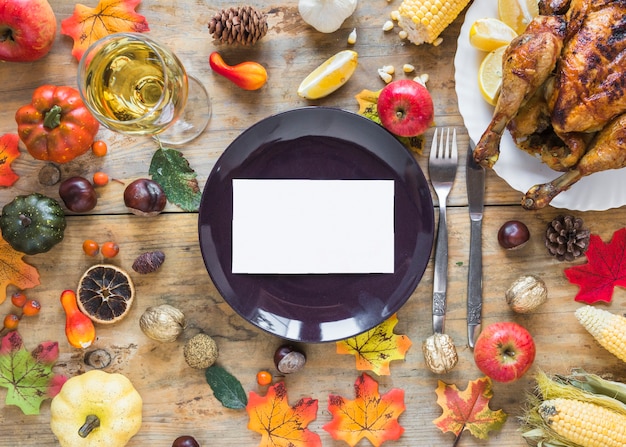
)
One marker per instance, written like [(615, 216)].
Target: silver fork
[(442, 164)]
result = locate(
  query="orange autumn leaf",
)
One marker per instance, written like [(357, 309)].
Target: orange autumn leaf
[(13, 270), (375, 349), (279, 424), (8, 152), (87, 24), (469, 409), (370, 415)]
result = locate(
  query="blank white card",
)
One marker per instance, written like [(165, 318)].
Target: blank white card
[(313, 226)]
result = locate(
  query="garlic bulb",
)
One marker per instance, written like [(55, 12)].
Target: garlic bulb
[(162, 323), (440, 353), (526, 294), (326, 16)]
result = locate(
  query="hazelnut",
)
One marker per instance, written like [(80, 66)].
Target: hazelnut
[(200, 351), (288, 359), (162, 323), (145, 197)]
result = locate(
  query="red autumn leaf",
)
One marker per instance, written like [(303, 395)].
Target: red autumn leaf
[(13, 270), (375, 349), (370, 415), (87, 24), (8, 152), (605, 269), (469, 409), (279, 424)]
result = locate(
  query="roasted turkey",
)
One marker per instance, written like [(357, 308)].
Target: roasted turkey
[(563, 93)]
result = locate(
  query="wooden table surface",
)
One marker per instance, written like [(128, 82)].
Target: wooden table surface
[(177, 399)]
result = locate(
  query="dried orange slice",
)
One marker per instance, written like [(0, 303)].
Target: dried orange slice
[(105, 293)]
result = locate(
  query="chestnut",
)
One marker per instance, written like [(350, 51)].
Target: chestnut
[(288, 359), (145, 197), (78, 194), (185, 441), (513, 234)]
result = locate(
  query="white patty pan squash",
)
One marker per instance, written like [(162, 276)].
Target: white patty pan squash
[(96, 409)]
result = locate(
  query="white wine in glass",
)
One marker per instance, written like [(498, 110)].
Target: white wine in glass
[(136, 86)]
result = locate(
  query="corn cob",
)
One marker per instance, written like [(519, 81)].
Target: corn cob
[(584, 423), (607, 328), (424, 20)]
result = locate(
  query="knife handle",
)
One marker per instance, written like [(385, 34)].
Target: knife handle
[(474, 282)]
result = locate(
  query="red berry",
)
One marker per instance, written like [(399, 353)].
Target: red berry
[(32, 307), (11, 321), (18, 299), (264, 378), (99, 148), (100, 178), (110, 249), (91, 247)]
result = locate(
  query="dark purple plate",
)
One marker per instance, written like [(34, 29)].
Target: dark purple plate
[(321, 144)]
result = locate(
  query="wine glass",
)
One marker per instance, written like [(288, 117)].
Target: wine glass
[(136, 86)]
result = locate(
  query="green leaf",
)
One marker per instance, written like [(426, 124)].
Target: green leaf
[(27, 376), (226, 388), (170, 169)]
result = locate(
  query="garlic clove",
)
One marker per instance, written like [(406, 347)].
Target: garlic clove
[(326, 16)]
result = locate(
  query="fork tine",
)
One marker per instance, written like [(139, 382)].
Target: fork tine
[(433, 146)]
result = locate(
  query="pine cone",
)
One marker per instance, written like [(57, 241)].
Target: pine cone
[(567, 238), (243, 24)]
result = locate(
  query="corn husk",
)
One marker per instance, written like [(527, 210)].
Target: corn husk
[(581, 386)]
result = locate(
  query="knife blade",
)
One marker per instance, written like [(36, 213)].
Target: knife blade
[(475, 178)]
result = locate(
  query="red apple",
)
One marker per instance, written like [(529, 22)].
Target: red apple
[(27, 29), (405, 108), (504, 351)]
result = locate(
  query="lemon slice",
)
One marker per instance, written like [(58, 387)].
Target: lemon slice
[(490, 75), (329, 76), (489, 34), (518, 13)]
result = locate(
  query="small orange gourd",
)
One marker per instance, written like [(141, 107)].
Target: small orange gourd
[(248, 75), (79, 328)]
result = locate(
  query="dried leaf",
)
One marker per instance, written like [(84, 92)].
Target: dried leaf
[(469, 409), (226, 388), (368, 107), (27, 375), (170, 169), (280, 424), (8, 152), (13, 270), (375, 349), (605, 269), (87, 24), (370, 415)]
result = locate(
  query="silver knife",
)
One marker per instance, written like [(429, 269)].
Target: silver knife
[(475, 177)]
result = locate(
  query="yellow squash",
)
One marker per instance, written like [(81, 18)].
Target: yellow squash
[(96, 409), (329, 76)]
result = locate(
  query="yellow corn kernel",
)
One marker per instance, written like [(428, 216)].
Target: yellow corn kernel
[(424, 20), (584, 423), (385, 76), (395, 15), (607, 328), (408, 68)]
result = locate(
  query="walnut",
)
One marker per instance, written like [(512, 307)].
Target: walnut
[(440, 353)]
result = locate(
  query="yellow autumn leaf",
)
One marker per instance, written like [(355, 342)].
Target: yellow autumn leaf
[(375, 349)]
